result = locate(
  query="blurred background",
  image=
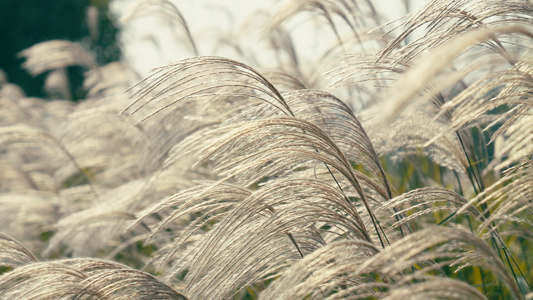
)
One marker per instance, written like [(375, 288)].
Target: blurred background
[(25, 23)]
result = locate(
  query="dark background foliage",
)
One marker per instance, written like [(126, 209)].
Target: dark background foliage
[(27, 22)]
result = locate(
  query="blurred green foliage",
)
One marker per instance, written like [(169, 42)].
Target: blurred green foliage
[(24, 23), (5, 269)]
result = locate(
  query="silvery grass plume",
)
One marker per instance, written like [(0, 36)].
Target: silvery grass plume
[(268, 140), (409, 177), (81, 278), (290, 149)]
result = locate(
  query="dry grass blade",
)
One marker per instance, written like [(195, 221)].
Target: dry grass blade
[(341, 268), (166, 10), (56, 54), (201, 77), (406, 137), (426, 201), (291, 141), (251, 238), (343, 127), (45, 280), (325, 269), (518, 144), (88, 231), (28, 215), (22, 133), (359, 17), (82, 279), (512, 201), (503, 90), (444, 20), (12, 253), (423, 72), (111, 79)]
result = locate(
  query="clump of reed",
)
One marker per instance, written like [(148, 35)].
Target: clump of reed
[(394, 164)]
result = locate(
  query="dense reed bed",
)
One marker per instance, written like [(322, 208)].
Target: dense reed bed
[(395, 162)]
